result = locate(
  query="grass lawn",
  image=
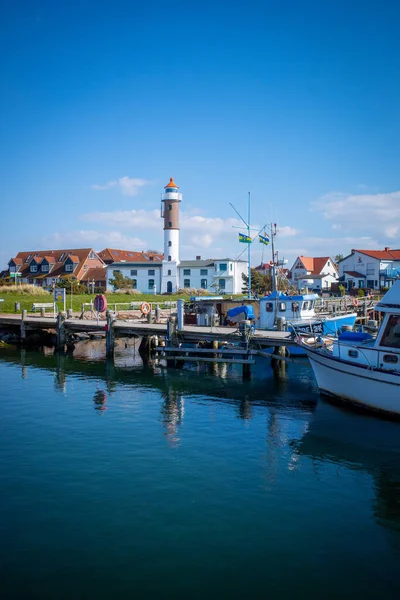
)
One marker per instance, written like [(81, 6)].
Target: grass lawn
[(26, 301)]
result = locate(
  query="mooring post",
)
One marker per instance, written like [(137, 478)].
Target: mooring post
[(180, 314), (279, 365), (23, 329), (60, 330), (110, 334), (157, 313)]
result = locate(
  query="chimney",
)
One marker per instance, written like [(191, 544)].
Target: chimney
[(387, 249), (198, 257)]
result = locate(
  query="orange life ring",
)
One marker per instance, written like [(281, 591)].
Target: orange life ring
[(355, 302), (145, 308)]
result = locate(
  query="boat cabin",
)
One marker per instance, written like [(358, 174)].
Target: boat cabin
[(383, 352), (290, 308)]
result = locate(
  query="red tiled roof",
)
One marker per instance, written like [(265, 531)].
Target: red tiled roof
[(96, 274), (315, 264), (77, 255), (17, 261), (355, 274), (263, 267), (381, 254), (113, 255)]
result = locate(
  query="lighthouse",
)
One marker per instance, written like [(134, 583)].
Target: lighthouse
[(170, 200)]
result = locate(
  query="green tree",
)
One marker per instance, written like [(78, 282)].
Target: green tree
[(120, 282), (260, 283), (338, 258), (71, 284)]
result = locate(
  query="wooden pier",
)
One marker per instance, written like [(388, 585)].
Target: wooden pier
[(189, 343)]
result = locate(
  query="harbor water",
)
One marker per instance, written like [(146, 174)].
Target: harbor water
[(124, 481)]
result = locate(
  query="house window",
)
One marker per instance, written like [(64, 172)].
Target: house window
[(221, 283), (370, 283), (134, 272), (45, 268), (151, 272), (92, 255), (151, 284), (231, 267), (61, 257), (85, 267), (33, 269), (69, 268), (360, 283), (169, 244), (203, 272), (186, 283), (203, 284), (169, 272), (186, 272), (134, 284), (13, 269), (169, 223), (223, 267)]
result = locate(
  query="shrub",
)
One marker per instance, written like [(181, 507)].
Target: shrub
[(25, 289), (126, 291)]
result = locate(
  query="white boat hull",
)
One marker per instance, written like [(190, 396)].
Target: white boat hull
[(374, 389)]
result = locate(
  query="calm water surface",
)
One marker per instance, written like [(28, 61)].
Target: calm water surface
[(123, 482)]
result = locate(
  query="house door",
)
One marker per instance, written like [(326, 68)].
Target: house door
[(169, 287)]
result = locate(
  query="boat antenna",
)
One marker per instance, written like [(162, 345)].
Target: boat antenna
[(273, 234)]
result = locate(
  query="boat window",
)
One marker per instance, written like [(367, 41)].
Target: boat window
[(295, 306), (390, 358), (269, 307), (305, 305), (391, 336), (282, 306), (353, 353)]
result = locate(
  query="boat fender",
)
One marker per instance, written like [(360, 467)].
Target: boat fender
[(355, 302), (145, 308)]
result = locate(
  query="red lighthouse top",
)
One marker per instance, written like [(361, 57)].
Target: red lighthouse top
[(171, 184)]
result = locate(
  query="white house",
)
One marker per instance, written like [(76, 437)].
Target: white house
[(372, 269), (314, 273), (166, 273)]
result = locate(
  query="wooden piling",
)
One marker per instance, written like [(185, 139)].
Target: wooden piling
[(60, 331), (23, 328), (110, 334)]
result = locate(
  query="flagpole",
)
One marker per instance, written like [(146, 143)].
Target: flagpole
[(248, 249)]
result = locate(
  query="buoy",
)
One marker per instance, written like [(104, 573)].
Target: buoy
[(145, 308)]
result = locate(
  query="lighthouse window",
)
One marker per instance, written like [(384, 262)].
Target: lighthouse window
[(169, 206), (169, 257), (186, 283), (169, 271), (170, 243), (169, 223)]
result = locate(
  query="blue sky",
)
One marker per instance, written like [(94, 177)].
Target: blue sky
[(296, 101)]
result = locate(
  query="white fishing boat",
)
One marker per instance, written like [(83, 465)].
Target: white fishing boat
[(360, 369)]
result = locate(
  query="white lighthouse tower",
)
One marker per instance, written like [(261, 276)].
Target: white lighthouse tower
[(170, 213)]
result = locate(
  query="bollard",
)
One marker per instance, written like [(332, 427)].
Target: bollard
[(180, 314), (42, 312), (69, 313), (157, 312), (60, 330), (23, 330), (110, 334), (17, 306)]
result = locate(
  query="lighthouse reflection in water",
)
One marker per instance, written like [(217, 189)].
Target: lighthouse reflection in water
[(124, 481)]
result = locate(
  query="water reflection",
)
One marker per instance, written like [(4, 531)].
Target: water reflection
[(297, 423), (358, 442)]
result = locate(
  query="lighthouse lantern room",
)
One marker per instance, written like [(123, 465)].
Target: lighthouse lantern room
[(170, 213)]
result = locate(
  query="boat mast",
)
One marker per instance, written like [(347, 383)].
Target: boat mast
[(248, 248), (273, 234)]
